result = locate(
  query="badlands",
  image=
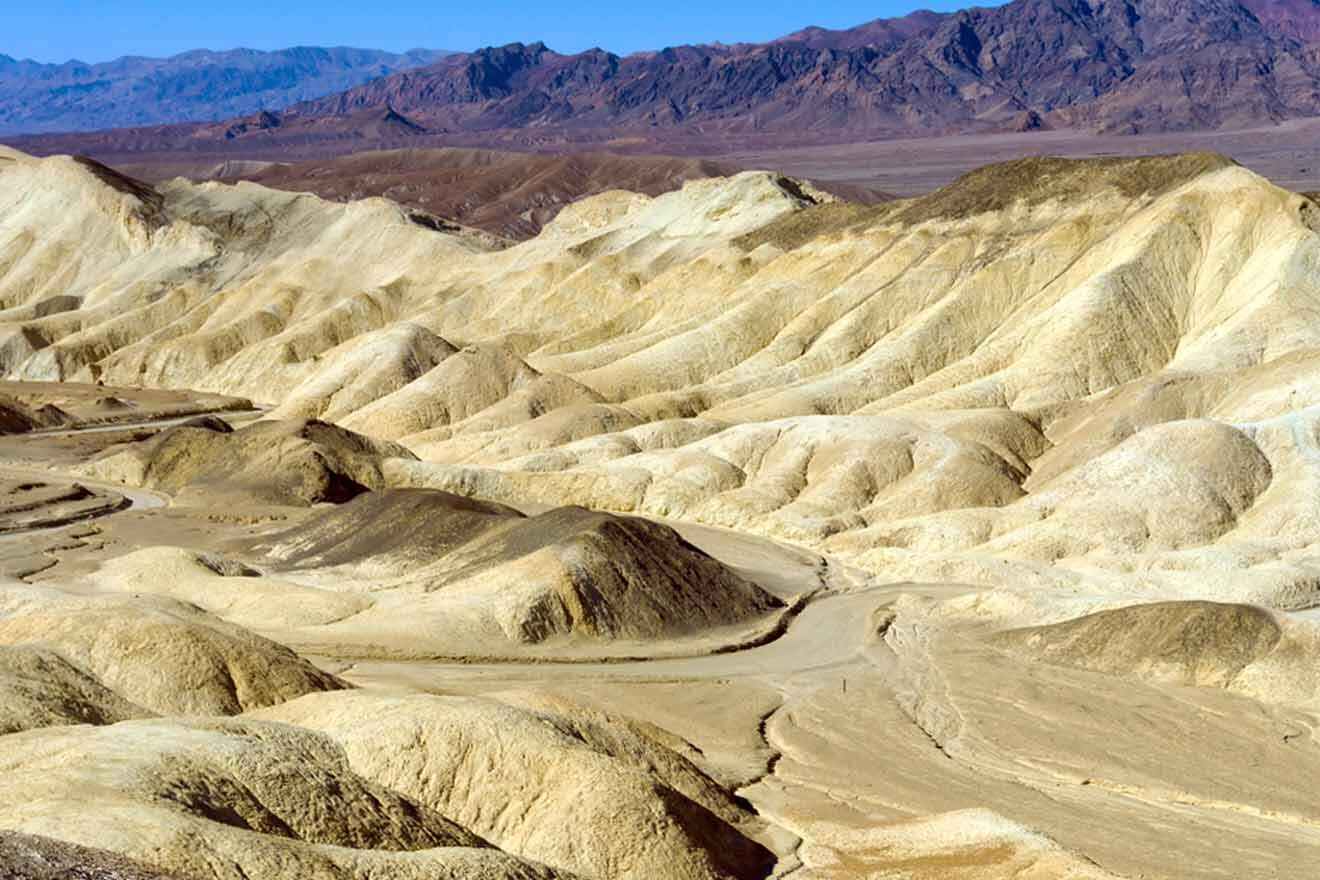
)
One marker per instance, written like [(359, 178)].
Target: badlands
[(734, 532)]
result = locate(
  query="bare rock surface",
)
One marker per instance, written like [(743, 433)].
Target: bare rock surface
[(42, 689), (28, 857), (163, 655), (298, 462), (557, 784), (229, 799)]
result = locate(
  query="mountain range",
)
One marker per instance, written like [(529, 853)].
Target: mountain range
[(1109, 66), (1115, 66), (197, 85)]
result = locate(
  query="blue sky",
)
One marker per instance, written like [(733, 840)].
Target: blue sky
[(98, 30)]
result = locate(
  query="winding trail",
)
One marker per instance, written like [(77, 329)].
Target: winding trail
[(815, 660), (832, 628), (833, 631), (137, 498), (228, 415)]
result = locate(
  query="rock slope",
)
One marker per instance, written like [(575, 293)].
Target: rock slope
[(1055, 427), (1046, 371), (559, 785), (443, 575)]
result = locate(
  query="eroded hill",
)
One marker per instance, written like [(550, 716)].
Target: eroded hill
[(994, 371), (1043, 443)]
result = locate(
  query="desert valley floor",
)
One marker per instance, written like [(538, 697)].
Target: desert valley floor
[(735, 532)]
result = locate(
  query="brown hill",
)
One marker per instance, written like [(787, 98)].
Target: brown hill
[(1206, 643), (509, 194), (16, 417)]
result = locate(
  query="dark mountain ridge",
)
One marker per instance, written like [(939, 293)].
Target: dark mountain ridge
[(1115, 65), (1109, 66)]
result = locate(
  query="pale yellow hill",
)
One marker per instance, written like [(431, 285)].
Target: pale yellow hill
[(1056, 427), (163, 655), (39, 688), (557, 784), (1045, 372), (232, 799)]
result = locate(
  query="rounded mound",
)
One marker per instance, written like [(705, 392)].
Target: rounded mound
[(455, 576), (275, 462), (1193, 643), (412, 523), (164, 655), (39, 688)]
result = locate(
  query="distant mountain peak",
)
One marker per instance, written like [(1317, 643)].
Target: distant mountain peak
[(199, 84), (395, 118)]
